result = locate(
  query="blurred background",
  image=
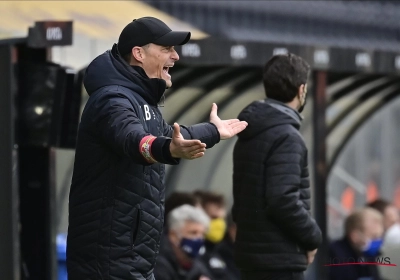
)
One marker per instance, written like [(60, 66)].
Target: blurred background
[(351, 122)]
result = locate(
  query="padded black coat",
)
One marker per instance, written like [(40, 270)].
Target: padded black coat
[(116, 202), (271, 191)]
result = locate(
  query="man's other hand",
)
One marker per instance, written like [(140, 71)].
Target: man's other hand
[(311, 256), (186, 149), (226, 128)]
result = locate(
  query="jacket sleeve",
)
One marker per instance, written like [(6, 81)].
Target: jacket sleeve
[(205, 132), (283, 177), (119, 126)]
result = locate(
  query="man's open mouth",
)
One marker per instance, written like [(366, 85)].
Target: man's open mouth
[(166, 69)]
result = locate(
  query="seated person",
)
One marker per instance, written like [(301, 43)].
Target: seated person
[(214, 206), (391, 239), (182, 244), (361, 243), (391, 222), (225, 250)]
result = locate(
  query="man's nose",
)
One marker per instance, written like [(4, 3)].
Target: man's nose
[(175, 55)]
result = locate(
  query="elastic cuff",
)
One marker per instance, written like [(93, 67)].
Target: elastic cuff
[(160, 151), (145, 148), (216, 129), (167, 154)]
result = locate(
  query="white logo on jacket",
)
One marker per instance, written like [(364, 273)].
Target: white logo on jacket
[(147, 112)]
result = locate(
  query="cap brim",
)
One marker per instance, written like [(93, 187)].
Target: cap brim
[(173, 38)]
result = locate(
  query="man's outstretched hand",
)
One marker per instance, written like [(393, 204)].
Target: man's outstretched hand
[(226, 128), (187, 149)]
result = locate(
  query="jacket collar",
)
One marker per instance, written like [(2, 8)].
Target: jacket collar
[(152, 88), (285, 109)]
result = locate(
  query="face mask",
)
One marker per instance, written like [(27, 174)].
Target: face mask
[(192, 247), (372, 248), (216, 231)]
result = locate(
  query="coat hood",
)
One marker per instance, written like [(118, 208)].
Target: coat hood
[(264, 114), (110, 69)]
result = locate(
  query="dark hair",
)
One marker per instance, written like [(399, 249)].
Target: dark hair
[(128, 57), (207, 197), (379, 204), (283, 75), (177, 199)]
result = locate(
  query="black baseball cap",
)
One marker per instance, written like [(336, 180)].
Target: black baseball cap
[(146, 30)]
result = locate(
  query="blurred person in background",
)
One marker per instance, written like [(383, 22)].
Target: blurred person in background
[(177, 199), (391, 237), (391, 222), (182, 245), (361, 243), (277, 238), (116, 200), (214, 206), (225, 250)]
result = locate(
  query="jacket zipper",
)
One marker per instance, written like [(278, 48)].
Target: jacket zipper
[(136, 228)]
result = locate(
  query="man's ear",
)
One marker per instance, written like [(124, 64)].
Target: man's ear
[(138, 53), (173, 237), (301, 92)]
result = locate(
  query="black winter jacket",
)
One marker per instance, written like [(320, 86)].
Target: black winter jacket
[(271, 191), (116, 202)]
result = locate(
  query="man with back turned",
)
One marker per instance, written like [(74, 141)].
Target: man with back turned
[(276, 236)]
